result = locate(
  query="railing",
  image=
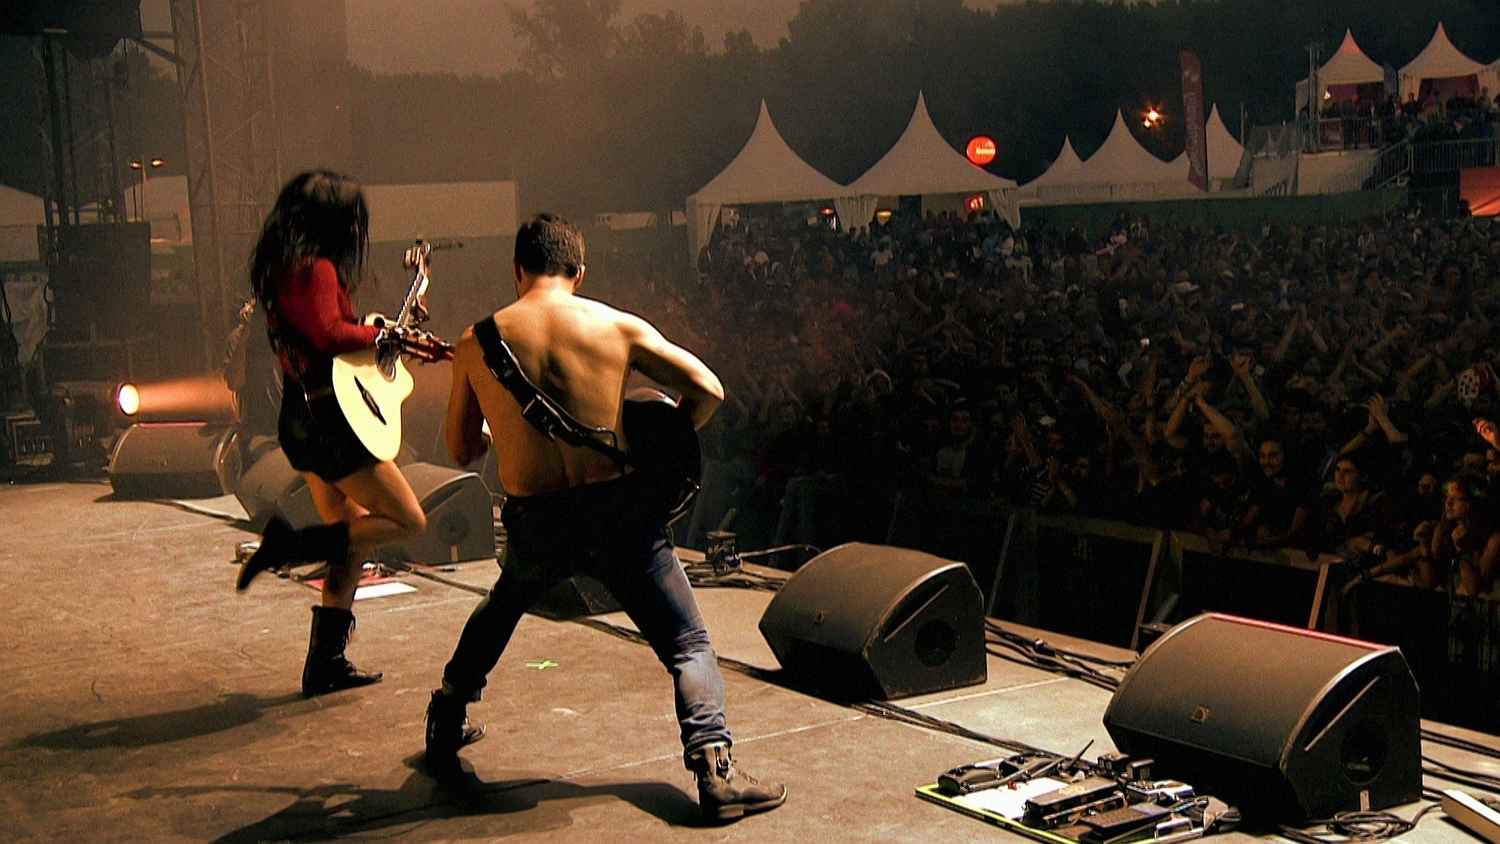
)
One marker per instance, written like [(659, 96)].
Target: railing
[(1452, 156), (1336, 133), (1393, 164)]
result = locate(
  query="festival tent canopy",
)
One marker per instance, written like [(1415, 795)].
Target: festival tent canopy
[(1224, 152), (1065, 170), (1349, 66), (923, 163), (1121, 160), (1438, 60), (765, 170)]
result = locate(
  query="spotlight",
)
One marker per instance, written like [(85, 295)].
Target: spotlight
[(128, 399)]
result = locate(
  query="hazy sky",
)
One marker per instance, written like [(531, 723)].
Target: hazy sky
[(474, 36)]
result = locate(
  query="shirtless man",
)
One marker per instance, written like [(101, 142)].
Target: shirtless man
[(572, 510)]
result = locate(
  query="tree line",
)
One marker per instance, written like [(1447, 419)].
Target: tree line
[(612, 114), (606, 113)]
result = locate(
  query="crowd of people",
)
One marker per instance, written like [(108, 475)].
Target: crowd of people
[(1328, 388), (1421, 118)]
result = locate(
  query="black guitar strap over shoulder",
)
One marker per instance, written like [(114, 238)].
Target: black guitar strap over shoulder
[(537, 408)]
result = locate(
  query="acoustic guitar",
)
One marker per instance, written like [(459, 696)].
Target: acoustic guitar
[(370, 385)]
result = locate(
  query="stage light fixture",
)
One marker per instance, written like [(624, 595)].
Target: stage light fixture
[(128, 399)]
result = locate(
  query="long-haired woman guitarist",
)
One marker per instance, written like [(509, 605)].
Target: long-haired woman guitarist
[(308, 260)]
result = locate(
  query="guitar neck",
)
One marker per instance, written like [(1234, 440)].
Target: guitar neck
[(418, 282)]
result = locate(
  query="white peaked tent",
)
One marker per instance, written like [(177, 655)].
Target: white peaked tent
[(1438, 60), (1121, 160), (922, 162), (1348, 66), (1067, 169), (1224, 152), (765, 170)]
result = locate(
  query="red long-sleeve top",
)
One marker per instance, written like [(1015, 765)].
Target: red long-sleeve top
[(313, 320)]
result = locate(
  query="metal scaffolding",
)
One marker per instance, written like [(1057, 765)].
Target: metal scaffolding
[(83, 176), (233, 159)]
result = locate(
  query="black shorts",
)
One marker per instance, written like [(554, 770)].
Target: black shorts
[(321, 443)]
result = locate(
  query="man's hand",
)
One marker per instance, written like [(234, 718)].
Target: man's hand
[(1487, 432), (1197, 368)]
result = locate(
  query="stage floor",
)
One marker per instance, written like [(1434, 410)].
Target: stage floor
[(146, 701)]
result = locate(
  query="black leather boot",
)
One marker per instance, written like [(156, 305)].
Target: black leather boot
[(281, 545), (726, 793), (448, 730), (326, 669)]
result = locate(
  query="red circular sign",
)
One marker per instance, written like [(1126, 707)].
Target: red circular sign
[(981, 150)]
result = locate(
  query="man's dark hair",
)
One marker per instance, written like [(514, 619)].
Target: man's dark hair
[(547, 244)]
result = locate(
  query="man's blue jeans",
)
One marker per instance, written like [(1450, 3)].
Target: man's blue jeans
[(598, 530)]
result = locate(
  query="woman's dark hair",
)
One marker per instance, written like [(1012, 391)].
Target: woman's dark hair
[(319, 214)]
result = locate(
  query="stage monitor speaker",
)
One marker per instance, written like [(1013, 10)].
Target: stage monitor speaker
[(174, 460), (460, 518), (1288, 724), (875, 622), (271, 487)]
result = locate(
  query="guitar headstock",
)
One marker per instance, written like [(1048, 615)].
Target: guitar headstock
[(416, 256), (413, 309)]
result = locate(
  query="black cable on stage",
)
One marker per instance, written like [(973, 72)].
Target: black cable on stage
[(1461, 743), (901, 714), (765, 552), (1462, 776), (1355, 826), (995, 627), (705, 575), (1039, 654), (1053, 667)]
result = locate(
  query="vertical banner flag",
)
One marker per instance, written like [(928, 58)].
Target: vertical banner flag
[(1192, 101)]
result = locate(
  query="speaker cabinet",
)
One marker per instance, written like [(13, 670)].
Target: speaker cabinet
[(460, 518), (1286, 723), (875, 622), (460, 515), (271, 487), (174, 460)]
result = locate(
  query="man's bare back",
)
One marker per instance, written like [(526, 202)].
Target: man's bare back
[(581, 353)]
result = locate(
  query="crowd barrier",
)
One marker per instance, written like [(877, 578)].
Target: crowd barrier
[(1108, 581), (1452, 644)]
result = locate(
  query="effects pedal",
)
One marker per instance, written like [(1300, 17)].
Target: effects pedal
[(1120, 825), (1071, 802), (1165, 792)]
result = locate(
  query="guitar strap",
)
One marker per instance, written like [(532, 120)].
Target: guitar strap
[(537, 408)]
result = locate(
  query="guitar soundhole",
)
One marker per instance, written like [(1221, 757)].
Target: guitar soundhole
[(370, 402)]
